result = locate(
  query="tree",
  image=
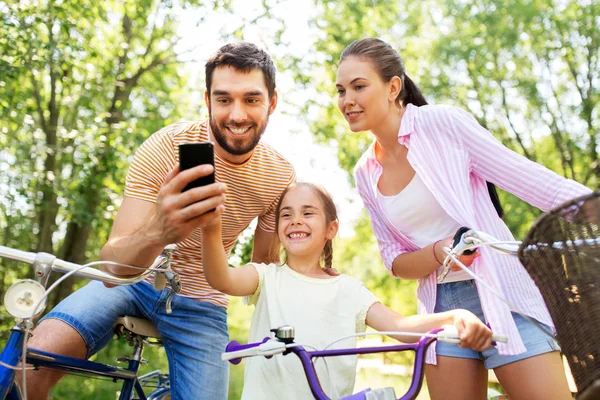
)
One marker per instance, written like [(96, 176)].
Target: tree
[(524, 68), (82, 85)]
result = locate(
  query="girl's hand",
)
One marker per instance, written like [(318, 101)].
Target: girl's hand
[(471, 331)]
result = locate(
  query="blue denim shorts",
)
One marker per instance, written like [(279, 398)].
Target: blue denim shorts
[(463, 294), (194, 334)]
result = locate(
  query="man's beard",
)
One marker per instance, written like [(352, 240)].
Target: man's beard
[(237, 148)]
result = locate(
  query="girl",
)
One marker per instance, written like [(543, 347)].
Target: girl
[(424, 176), (320, 307)]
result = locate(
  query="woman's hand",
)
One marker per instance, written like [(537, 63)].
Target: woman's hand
[(466, 259), (440, 254), (471, 331)]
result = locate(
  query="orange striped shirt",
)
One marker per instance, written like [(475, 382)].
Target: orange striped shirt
[(254, 188)]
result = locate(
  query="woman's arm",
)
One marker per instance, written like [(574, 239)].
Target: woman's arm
[(496, 163), (402, 262), (472, 332), (241, 281), (420, 263)]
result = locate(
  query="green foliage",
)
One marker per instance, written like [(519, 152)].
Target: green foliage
[(525, 69), (83, 83)]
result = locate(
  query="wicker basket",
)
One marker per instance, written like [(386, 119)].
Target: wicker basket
[(562, 254)]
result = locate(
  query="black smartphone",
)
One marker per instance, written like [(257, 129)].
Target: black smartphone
[(194, 154)]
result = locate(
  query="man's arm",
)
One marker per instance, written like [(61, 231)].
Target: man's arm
[(142, 229), (265, 249)]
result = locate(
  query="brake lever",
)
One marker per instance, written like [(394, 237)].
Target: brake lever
[(164, 267), (458, 247)]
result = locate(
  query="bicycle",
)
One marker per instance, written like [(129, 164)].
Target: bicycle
[(561, 253), (26, 299), (283, 343), (575, 237)]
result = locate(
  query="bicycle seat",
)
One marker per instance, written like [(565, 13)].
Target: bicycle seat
[(139, 326)]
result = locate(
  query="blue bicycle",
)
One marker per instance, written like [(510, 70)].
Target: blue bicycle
[(26, 299)]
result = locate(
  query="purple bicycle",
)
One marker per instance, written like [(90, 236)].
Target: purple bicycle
[(283, 343)]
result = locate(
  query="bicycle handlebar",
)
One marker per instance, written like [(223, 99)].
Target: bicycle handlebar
[(58, 265), (466, 241), (234, 352)]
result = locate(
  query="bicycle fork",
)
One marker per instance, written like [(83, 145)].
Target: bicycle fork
[(11, 356)]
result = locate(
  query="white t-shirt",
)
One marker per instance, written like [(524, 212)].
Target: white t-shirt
[(320, 310), (419, 216)]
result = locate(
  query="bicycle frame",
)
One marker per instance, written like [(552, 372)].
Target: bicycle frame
[(13, 351), (44, 264), (307, 357)]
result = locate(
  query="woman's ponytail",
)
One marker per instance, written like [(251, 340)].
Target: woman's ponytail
[(410, 93)]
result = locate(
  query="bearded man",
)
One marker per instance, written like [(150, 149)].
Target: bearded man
[(240, 95)]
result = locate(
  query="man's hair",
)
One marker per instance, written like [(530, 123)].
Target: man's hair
[(243, 57)]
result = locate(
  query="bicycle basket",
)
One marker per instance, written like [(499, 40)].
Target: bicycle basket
[(561, 253)]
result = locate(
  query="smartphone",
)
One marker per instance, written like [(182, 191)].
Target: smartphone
[(194, 154)]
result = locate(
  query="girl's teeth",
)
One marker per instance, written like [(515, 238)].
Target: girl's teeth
[(298, 235)]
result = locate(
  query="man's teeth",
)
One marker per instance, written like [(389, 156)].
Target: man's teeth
[(298, 235), (239, 131)]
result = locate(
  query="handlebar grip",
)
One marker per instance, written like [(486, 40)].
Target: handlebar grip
[(500, 338), (449, 334), (160, 281), (457, 238), (235, 351)]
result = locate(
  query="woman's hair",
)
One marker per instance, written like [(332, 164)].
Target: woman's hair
[(330, 216), (388, 64)]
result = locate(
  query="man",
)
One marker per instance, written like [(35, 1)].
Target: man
[(240, 81)]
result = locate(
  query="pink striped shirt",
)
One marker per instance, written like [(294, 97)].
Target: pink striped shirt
[(455, 156)]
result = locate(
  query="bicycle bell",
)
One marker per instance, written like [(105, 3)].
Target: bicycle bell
[(284, 333)]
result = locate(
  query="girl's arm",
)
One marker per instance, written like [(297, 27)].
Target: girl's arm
[(472, 332), (241, 281)]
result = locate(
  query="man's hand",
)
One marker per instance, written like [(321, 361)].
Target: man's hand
[(178, 214)]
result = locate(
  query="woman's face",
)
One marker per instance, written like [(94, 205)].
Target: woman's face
[(363, 97)]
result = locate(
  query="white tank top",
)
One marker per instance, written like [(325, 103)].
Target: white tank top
[(419, 216)]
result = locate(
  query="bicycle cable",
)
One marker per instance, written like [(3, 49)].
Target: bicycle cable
[(511, 306)]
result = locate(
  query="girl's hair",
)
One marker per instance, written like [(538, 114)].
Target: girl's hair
[(388, 64), (330, 216)]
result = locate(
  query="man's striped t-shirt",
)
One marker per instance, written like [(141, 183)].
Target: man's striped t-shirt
[(253, 190)]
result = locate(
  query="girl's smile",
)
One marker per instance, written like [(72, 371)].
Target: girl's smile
[(303, 227)]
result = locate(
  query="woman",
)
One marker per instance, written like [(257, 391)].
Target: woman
[(425, 175)]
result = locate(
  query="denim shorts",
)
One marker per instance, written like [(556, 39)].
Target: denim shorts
[(463, 294), (194, 334)]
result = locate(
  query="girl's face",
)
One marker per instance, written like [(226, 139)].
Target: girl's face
[(303, 229), (363, 97)]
